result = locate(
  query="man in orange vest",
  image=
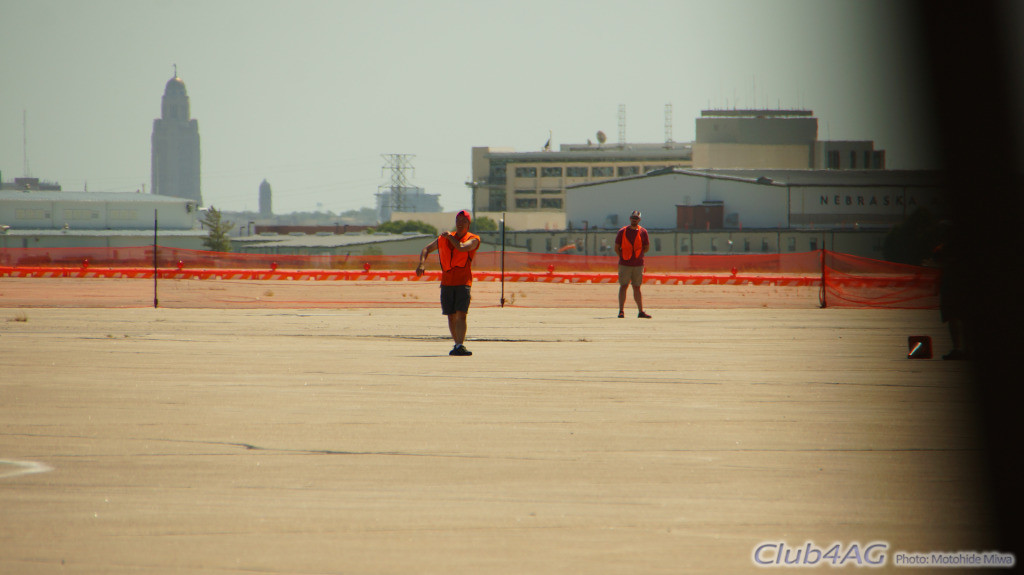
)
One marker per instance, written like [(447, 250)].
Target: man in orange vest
[(631, 243), (455, 251)]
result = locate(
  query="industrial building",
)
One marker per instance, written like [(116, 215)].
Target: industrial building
[(329, 243), (690, 211), (535, 182), (776, 139), (522, 182), (678, 199), (31, 219)]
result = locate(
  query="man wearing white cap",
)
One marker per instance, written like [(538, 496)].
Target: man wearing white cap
[(631, 243)]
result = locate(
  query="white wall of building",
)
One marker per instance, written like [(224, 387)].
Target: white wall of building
[(792, 157), (747, 203), (858, 206), (657, 196), (444, 221), (94, 211)]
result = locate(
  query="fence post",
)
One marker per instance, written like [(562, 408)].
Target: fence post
[(156, 302), (503, 259), (822, 294)]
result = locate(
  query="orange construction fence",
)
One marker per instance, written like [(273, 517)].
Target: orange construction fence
[(844, 280)]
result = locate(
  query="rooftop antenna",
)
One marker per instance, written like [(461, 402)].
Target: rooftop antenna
[(622, 124), (668, 124), (175, 70), (24, 143)]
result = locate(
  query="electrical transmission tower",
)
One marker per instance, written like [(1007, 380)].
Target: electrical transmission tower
[(400, 165)]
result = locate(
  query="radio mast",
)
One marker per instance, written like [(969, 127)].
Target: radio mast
[(24, 144)]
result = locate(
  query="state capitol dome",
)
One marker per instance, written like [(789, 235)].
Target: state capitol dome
[(175, 84)]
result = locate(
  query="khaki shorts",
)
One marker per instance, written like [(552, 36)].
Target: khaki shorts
[(631, 275)]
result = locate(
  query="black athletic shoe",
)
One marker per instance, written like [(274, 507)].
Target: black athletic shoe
[(461, 350), (622, 313), (644, 315)]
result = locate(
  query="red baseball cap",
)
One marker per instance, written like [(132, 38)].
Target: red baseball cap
[(464, 213)]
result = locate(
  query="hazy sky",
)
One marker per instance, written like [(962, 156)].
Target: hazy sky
[(311, 94)]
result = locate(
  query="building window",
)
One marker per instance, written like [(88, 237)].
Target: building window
[(73, 214), (791, 244), (714, 244), (602, 171), (496, 201), (764, 244), (684, 245), (833, 159), (814, 244), (550, 192), (497, 173), (23, 214), (526, 172), (576, 171), (746, 244), (525, 192), (628, 170), (123, 215), (657, 244), (551, 203), (551, 172), (853, 160), (549, 245), (526, 203)]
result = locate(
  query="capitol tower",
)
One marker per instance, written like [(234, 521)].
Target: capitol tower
[(175, 154)]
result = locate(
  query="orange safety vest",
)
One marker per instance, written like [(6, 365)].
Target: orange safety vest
[(634, 249), (450, 257)]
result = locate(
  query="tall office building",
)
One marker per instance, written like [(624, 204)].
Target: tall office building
[(175, 154), (266, 209)]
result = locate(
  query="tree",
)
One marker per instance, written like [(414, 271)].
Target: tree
[(217, 240), (402, 226), (913, 240), (483, 224)]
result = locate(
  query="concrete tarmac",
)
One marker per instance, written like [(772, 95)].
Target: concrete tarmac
[(348, 441)]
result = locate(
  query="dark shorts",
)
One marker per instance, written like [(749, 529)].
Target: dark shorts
[(454, 298)]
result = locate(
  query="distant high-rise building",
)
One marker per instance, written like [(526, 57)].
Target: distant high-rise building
[(175, 154), (265, 206), (413, 199)]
